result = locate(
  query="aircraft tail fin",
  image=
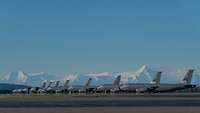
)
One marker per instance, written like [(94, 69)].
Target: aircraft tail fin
[(117, 80), (57, 83), (66, 83), (44, 84), (188, 77), (157, 78), (50, 83), (88, 82)]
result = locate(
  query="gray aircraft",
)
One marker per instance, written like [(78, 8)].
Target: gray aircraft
[(186, 84), (29, 90), (110, 87), (80, 88), (44, 89), (51, 89), (24, 90), (35, 89), (142, 87), (59, 89)]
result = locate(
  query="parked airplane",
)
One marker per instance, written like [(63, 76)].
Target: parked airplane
[(44, 90), (80, 88), (186, 84), (36, 89), (59, 89), (110, 87), (23, 89), (51, 89), (142, 87)]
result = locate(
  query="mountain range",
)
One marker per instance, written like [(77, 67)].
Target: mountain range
[(142, 75)]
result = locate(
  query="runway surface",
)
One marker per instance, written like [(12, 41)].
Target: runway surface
[(104, 110), (105, 102)]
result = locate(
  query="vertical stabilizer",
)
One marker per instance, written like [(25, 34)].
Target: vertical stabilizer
[(88, 82), (157, 78), (117, 80), (44, 85), (66, 83), (50, 83), (57, 83), (188, 77)]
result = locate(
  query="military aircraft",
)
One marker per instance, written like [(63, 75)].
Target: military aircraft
[(59, 89), (51, 89), (186, 84), (18, 88), (44, 89), (142, 87), (109, 87), (80, 88)]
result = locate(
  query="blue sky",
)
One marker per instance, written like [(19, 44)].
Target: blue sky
[(67, 36)]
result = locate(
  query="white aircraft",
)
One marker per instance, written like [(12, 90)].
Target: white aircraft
[(110, 87), (80, 88), (36, 89), (186, 84), (142, 87), (59, 89)]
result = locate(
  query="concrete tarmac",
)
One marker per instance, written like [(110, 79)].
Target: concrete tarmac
[(104, 110), (100, 104), (105, 102)]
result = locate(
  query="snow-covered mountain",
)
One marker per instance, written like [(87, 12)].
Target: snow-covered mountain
[(21, 77), (142, 75), (15, 77), (37, 78)]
